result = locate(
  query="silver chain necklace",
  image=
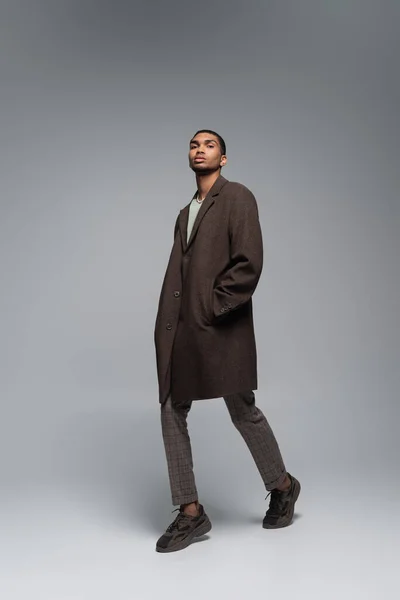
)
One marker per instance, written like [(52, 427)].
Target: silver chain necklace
[(199, 200)]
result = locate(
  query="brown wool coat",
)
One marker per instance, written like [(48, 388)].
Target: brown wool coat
[(204, 333)]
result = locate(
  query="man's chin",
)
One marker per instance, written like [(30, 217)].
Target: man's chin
[(202, 169)]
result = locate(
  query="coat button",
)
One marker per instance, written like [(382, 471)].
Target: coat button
[(222, 310), (169, 326), (177, 294)]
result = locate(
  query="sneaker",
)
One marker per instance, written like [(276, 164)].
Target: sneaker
[(281, 507), (183, 530)]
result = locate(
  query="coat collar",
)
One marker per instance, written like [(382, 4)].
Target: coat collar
[(205, 206)]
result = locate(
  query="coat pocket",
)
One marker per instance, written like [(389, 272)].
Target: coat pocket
[(210, 304)]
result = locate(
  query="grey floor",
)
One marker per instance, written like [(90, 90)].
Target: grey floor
[(86, 528)]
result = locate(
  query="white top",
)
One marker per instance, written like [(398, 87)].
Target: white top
[(193, 210)]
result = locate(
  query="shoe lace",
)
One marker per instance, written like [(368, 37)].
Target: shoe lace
[(277, 502), (179, 520)]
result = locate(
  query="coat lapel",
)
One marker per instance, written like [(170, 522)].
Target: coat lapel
[(206, 205)]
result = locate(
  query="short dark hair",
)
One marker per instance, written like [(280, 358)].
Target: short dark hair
[(220, 139)]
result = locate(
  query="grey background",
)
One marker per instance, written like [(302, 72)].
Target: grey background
[(98, 101)]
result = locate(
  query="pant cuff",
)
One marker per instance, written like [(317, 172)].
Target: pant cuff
[(274, 484), (179, 500)]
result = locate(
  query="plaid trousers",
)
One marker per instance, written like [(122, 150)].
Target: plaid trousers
[(249, 421)]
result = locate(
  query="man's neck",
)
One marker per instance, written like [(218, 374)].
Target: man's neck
[(205, 183)]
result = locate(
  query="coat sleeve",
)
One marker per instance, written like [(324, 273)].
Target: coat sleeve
[(235, 286), (176, 226)]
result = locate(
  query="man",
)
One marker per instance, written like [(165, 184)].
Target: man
[(205, 342)]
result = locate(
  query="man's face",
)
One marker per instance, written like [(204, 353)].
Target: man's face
[(205, 154)]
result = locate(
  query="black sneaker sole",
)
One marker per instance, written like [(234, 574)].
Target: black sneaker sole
[(289, 518), (196, 533)]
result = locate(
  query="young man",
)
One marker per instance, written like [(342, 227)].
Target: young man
[(205, 342)]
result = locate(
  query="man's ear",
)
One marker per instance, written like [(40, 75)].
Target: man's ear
[(223, 161)]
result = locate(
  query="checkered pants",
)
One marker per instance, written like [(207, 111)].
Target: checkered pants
[(250, 422)]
